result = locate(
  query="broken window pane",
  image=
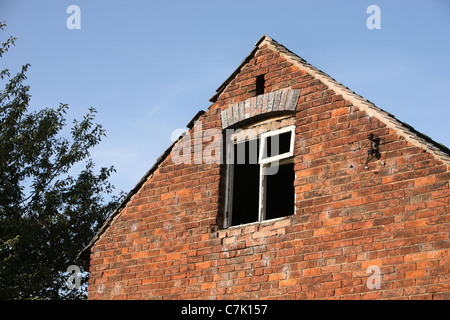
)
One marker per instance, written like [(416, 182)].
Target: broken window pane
[(280, 192), (245, 183), (277, 144)]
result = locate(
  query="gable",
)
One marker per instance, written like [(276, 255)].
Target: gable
[(171, 221)]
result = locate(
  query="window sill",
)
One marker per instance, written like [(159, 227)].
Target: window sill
[(254, 233), (259, 222)]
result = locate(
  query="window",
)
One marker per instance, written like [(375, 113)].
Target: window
[(260, 177)]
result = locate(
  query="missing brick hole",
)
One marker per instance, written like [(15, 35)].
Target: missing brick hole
[(373, 150), (260, 83)]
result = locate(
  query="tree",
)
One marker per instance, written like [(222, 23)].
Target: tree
[(47, 214)]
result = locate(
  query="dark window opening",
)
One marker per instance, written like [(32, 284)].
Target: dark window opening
[(280, 192), (284, 144), (245, 194), (245, 183), (259, 85)]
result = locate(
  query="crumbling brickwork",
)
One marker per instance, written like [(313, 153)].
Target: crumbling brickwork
[(168, 240)]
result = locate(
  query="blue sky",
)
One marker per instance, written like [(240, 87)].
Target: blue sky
[(149, 66)]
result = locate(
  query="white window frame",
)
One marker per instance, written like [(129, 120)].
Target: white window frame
[(263, 139), (265, 163)]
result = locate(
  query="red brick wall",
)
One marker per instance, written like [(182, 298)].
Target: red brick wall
[(168, 241)]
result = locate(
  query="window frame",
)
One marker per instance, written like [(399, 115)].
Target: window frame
[(281, 159)]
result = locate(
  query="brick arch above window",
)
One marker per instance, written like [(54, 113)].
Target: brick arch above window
[(264, 104)]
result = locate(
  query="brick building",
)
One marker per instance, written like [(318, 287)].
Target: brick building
[(357, 206)]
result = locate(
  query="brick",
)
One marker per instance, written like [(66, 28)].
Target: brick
[(427, 264), (415, 274), (366, 264), (371, 295), (229, 240), (393, 260), (352, 202), (173, 256), (415, 257), (138, 255), (436, 254), (312, 272), (288, 283), (277, 276), (208, 286), (441, 296), (438, 203), (424, 180), (322, 231), (333, 221), (203, 265), (331, 285), (166, 196)]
